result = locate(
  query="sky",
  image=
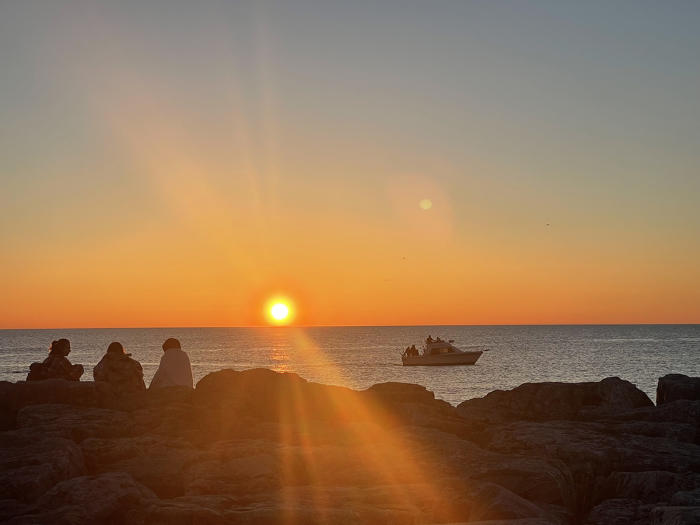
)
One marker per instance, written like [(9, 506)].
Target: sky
[(168, 163)]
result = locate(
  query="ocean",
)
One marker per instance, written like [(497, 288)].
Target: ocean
[(359, 357)]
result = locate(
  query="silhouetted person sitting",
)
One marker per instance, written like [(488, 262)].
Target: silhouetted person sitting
[(119, 370), (56, 366), (174, 368)]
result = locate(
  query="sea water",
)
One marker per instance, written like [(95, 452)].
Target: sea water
[(358, 357)]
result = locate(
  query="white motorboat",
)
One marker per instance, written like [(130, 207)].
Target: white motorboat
[(441, 353)]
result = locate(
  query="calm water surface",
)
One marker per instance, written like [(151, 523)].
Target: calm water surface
[(362, 356)]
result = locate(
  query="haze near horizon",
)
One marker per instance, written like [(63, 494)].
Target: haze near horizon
[(173, 164)]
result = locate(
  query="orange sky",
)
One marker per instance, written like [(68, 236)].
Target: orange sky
[(151, 180)]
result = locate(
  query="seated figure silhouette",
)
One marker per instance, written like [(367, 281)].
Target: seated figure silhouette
[(56, 365), (119, 370), (174, 368)]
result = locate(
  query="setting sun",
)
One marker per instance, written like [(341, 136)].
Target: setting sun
[(279, 311)]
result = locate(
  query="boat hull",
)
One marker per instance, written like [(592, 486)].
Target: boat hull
[(463, 358)]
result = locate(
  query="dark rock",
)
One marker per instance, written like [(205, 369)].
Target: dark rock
[(690, 498), (524, 521), (262, 447), (493, 502), (541, 480), (552, 401), (170, 395), (30, 464), (88, 500), (407, 404), (258, 388), (620, 511), (72, 422), (14, 396), (649, 486), (12, 507), (273, 396), (675, 516), (684, 411), (154, 461), (673, 387), (184, 511), (301, 508), (393, 392), (589, 446), (8, 419), (677, 420)]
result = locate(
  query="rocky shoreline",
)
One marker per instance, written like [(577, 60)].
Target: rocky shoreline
[(260, 447)]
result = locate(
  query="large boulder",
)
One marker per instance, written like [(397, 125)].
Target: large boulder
[(88, 500), (493, 502), (551, 401), (517, 521), (677, 420), (592, 447), (233, 404), (620, 511), (32, 463), (393, 392), (249, 390), (294, 506), (652, 486), (673, 387), (158, 462), (14, 396), (675, 516), (271, 396), (72, 422), (207, 510), (689, 498)]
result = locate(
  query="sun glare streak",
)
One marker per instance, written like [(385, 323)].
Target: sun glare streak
[(379, 442), (297, 415), (182, 174)]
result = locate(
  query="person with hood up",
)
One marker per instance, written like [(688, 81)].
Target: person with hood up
[(174, 368), (119, 370)]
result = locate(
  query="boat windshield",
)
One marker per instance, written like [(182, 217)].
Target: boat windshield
[(442, 350)]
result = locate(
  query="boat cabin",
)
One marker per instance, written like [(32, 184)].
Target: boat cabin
[(439, 347)]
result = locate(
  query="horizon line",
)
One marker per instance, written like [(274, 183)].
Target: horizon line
[(345, 326)]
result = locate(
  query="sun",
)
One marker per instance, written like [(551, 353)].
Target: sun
[(279, 311)]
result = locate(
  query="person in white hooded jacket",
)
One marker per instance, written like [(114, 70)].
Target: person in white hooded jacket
[(174, 368)]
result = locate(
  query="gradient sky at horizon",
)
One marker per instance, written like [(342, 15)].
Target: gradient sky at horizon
[(179, 163)]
